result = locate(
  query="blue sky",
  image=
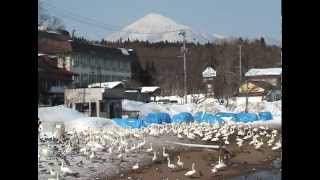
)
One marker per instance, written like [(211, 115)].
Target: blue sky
[(245, 18)]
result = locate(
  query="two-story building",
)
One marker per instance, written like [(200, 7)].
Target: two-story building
[(97, 63)]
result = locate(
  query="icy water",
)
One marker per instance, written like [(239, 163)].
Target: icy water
[(274, 174)]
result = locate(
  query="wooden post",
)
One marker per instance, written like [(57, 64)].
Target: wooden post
[(98, 108), (89, 109)]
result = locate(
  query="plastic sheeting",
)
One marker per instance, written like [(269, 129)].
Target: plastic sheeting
[(207, 117), (182, 117), (246, 117), (226, 116), (157, 118), (129, 123), (265, 116)]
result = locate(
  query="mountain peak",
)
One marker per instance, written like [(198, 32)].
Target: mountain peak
[(155, 27)]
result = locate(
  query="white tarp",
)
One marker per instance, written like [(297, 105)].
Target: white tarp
[(263, 72)]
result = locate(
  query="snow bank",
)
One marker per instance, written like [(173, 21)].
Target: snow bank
[(58, 114), (86, 123), (145, 108)]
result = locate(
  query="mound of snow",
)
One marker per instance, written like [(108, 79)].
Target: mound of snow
[(58, 114), (146, 108), (86, 123)]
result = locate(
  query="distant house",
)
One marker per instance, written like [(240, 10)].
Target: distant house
[(53, 75), (150, 91), (97, 63), (260, 81)]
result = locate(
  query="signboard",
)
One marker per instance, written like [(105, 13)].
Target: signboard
[(209, 72), (83, 95)]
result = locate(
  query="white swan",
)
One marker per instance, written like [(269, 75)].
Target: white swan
[(179, 162), (154, 158), (220, 164), (65, 169), (215, 139), (226, 141), (214, 170), (150, 149), (142, 143), (52, 172), (56, 178), (92, 156), (135, 167), (192, 171), (164, 154), (171, 166), (120, 156), (277, 146)]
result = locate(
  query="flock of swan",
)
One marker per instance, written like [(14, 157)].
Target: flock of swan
[(120, 143)]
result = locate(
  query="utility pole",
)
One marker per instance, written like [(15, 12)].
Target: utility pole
[(240, 65), (183, 34)]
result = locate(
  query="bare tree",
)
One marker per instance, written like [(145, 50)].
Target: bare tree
[(51, 22)]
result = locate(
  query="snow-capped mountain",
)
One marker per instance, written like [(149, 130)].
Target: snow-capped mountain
[(155, 27)]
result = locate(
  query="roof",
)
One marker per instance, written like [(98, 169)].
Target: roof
[(107, 85), (99, 50), (149, 89), (209, 72), (124, 51), (264, 72), (53, 43)]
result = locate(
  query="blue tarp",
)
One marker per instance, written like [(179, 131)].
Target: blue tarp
[(129, 123), (182, 117), (230, 116), (265, 116), (207, 117), (246, 117), (157, 118)]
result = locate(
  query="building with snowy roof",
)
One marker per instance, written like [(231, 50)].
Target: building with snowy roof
[(259, 81)]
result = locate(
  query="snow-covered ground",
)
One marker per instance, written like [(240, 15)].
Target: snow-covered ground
[(73, 119), (109, 164)]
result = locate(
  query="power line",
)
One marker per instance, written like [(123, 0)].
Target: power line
[(105, 26)]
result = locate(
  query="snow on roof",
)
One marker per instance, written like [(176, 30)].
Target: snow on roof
[(40, 54), (263, 72), (131, 91), (149, 89), (124, 51), (209, 72), (108, 85)]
